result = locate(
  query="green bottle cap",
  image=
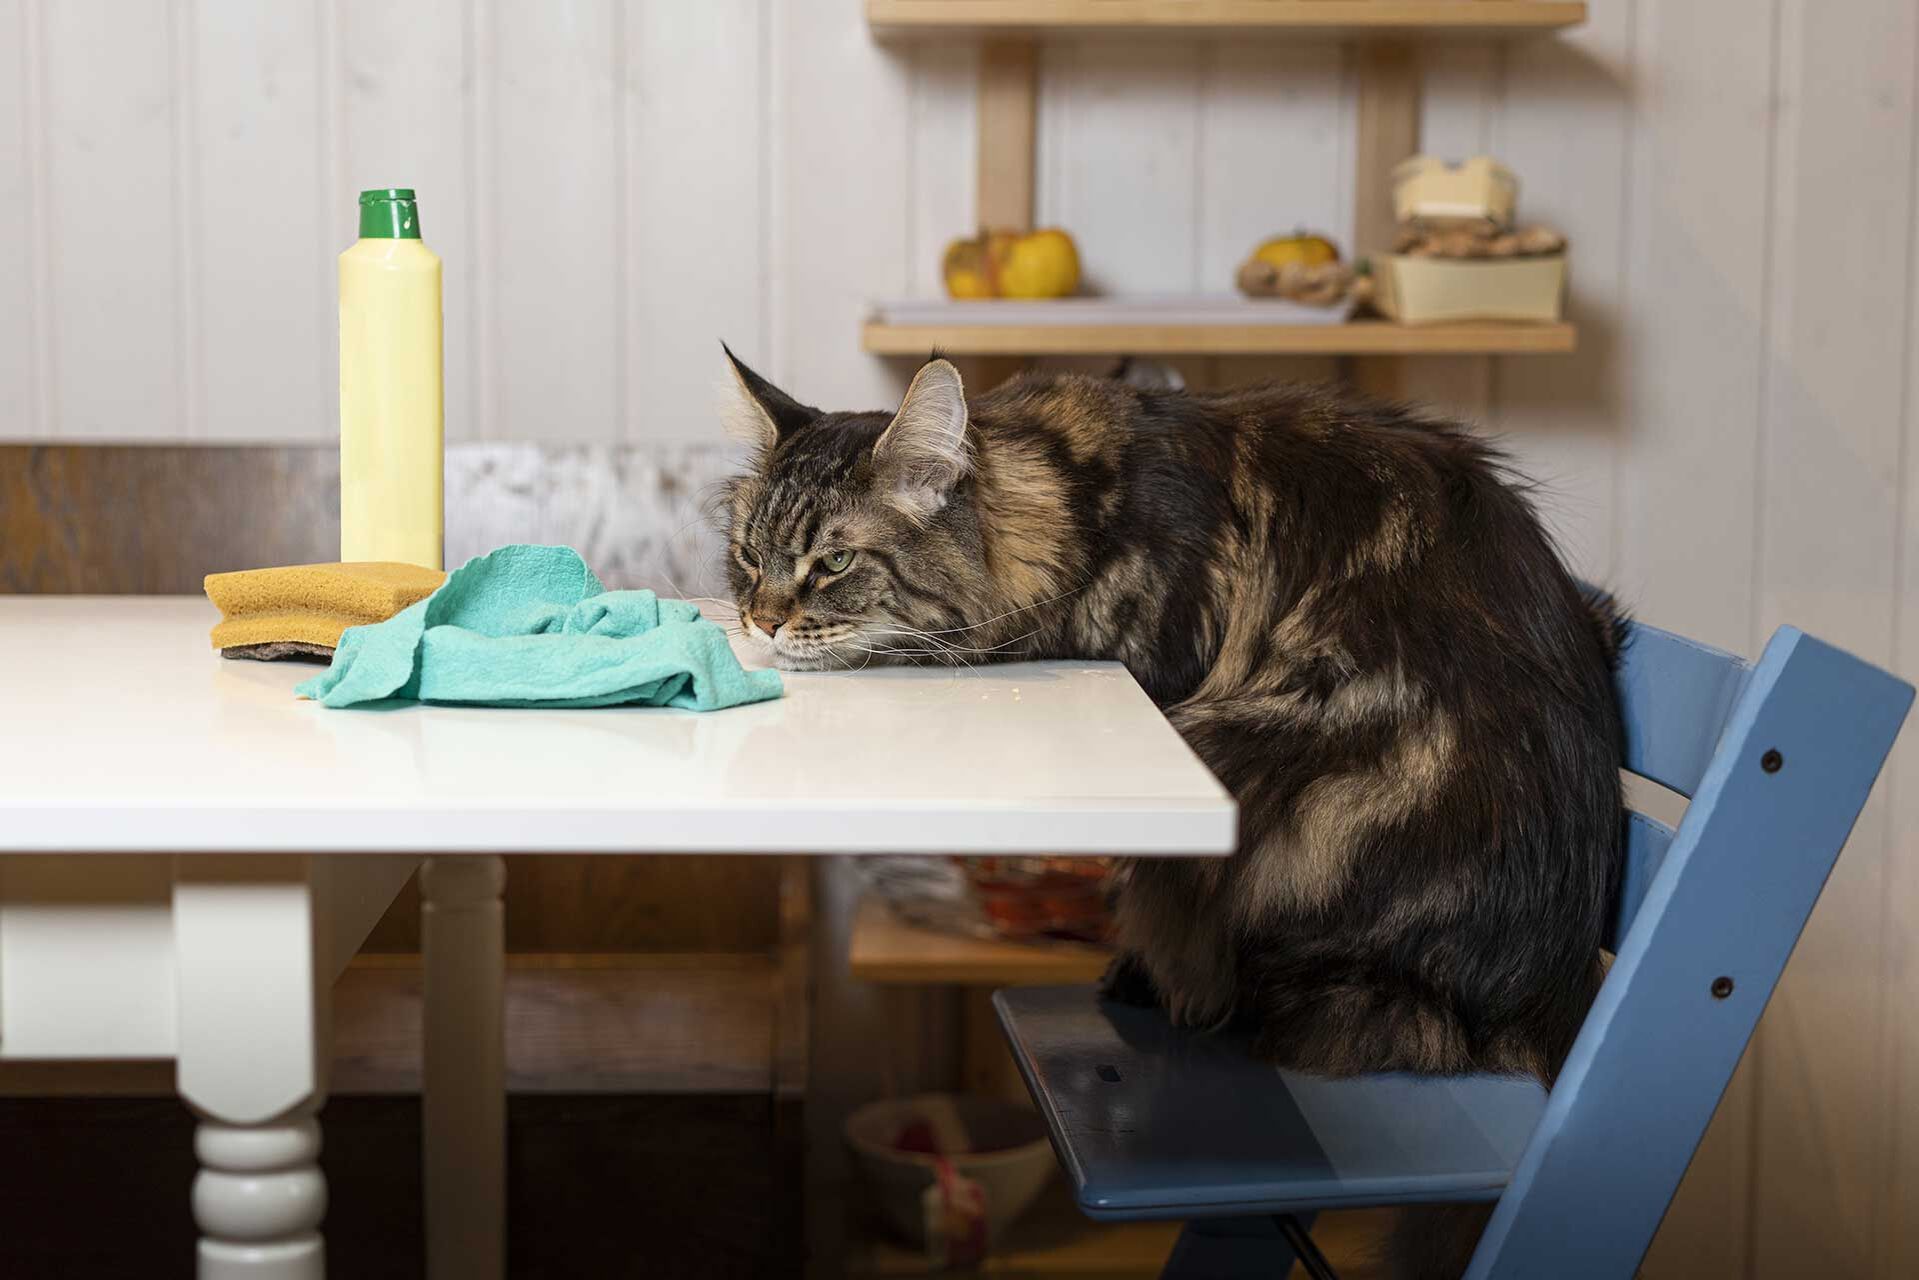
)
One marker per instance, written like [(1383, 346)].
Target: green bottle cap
[(389, 213)]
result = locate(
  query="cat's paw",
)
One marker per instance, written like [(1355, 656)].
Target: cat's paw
[(1196, 1010), (1127, 982)]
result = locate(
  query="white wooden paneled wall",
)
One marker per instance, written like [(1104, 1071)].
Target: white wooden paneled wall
[(617, 184)]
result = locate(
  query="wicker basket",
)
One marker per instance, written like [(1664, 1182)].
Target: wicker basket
[(1032, 898)]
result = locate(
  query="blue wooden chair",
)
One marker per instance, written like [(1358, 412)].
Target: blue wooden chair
[(1777, 758)]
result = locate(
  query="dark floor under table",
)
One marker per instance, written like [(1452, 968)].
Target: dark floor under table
[(597, 1185)]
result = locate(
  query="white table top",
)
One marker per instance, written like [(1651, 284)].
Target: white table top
[(121, 729)]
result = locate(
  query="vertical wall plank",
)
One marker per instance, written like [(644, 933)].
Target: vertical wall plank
[(17, 321), (110, 199), (1464, 88), (1899, 1256), (1119, 131), (944, 146), (1900, 909), (1693, 329), (1565, 129), (693, 208), (1834, 393), (1275, 151), (403, 108), (553, 191), (190, 363), (256, 135), (841, 206), (1276, 156), (1691, 342)]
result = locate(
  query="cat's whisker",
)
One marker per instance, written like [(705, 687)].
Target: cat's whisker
[(950, 654), (725, 608), (934, 645), (1025, 608), (866, 661), (902, 653), (678, 591), (956, 655), (933, 638), (894, 627)]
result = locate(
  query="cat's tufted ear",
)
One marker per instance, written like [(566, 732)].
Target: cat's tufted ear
[(924, 452), (754, 410)]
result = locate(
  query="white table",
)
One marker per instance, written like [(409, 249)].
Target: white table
[(191, 855)]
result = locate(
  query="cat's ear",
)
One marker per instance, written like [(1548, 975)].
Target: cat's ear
[(754, 410), (924, 452)]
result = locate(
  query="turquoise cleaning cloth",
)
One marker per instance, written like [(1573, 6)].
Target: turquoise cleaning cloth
[(532, 627)]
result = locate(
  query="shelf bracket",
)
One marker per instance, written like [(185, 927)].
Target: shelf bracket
[(1003, 199), (1008, 115), (1388, 128)]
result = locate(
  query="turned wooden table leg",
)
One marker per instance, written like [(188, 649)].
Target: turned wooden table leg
[(252, 1041), (464, 1087), (259, 1198)]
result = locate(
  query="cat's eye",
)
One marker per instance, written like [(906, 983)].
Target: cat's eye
[(746, 557), (836, 561)]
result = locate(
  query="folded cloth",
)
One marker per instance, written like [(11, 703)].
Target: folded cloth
[(532, 627), (302, 608)]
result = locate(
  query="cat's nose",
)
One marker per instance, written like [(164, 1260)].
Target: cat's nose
[(769, 625)]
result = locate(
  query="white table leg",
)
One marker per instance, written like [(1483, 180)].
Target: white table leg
[(464, 1087), (259, 1199), (252, 1040)]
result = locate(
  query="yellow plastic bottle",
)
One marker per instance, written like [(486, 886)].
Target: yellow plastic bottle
[(392, 419)]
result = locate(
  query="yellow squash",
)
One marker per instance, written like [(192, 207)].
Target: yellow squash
[(1301, 248), (1008, 264)]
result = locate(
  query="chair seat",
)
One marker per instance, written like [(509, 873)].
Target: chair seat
[(1155, 1122)]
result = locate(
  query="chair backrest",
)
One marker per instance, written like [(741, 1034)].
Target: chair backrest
[(1674, 698), (1778, 761)]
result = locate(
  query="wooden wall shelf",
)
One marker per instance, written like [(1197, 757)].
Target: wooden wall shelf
[(1328, 19), (1226, 326), (885, 949), (1387, 128)]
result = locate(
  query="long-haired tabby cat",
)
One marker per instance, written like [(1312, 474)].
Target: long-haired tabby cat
[(1349, 610)]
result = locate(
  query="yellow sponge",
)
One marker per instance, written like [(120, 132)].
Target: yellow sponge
[(303, 608)]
